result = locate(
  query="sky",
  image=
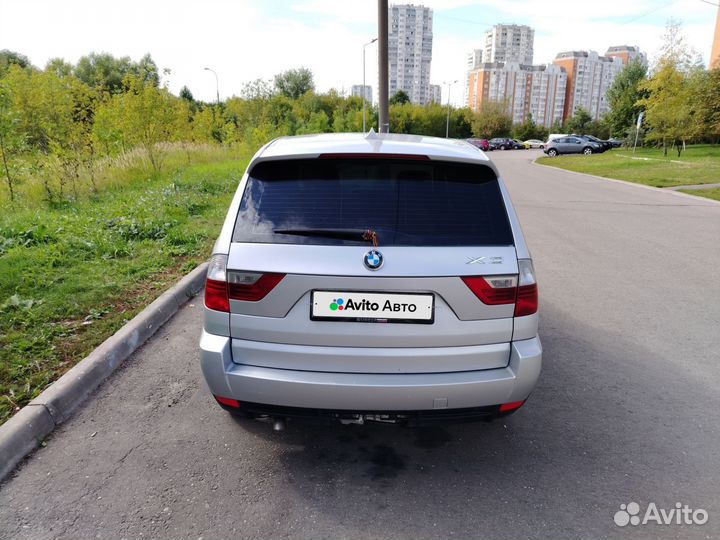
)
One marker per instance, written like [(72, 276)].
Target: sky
[(244, 40)]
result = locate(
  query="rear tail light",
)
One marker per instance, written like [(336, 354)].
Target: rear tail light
[(223, 285), (216, 287), (520, 290), (527, 295)]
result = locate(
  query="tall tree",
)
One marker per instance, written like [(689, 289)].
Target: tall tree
[(9, 58), (294, 83), (667, 102), (146, 116), (10, 139), (186, 94), (578, 122), (257, 89), (60, 67), (104, 71), (492, 121), (676, 50), (704, 90), (530, 130), (623, 98), (399, 98), (667, 108)]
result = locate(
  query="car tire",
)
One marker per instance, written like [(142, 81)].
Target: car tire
[(552, 152), (503, 147), (587, 151)]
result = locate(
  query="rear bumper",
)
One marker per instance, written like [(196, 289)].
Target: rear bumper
[(370, 392)]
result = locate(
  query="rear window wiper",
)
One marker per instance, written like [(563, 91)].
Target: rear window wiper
[(358, 235)]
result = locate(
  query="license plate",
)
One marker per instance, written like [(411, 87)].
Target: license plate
[(372, 307)]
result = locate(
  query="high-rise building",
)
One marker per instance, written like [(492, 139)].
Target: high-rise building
[(509, 43), (537, 91), (474, 60), (435, 93), (715, 54), (547, 94), (589, 76), (410, 51), (357, 90), (627, 54)]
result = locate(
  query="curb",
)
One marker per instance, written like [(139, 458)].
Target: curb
[(25, 430), (628, 183)]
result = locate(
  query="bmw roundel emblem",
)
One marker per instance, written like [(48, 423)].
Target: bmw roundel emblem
[(373, 259)]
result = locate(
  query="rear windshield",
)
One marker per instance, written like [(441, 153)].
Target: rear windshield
[(405, 202)]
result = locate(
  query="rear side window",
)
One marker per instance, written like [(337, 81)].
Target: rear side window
[(405, 202)]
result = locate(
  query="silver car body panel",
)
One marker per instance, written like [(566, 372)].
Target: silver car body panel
[(272, 352), (371, 358), (370, 391)]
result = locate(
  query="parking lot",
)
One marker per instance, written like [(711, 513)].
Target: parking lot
[(625, 411)]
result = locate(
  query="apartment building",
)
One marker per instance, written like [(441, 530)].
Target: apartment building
[(523, 89), (589, 76), (627, 54), (509, 43), (435, 93), (358, 90), (547, 94), (410, 51), (474, 59)]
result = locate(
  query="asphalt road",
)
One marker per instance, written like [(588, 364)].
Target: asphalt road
[(626, 411)]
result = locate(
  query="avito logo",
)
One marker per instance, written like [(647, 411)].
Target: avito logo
[(365, 305), (682, 514)]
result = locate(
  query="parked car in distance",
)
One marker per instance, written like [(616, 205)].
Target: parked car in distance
[(606, 145), (616, 143), (571, 145), (482, 144), (534, 143), (518, 145), (501, 143), (410, 296)]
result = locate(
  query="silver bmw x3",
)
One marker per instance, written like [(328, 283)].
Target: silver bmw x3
[(380, 277)]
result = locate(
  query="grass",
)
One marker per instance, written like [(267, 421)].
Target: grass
[(699, 164), (72, 274), (713, 193)]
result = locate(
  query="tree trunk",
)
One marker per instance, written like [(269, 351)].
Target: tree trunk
[(7, 169)]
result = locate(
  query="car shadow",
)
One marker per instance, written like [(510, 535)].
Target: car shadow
[(599, 430)]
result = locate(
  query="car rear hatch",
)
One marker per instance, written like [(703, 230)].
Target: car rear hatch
[(308, 235)]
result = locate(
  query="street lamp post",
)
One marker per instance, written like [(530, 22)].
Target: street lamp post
[(447, 122), (217, 87), (363, 86)]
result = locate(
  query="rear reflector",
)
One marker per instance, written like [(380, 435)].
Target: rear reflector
[(520, 290), (505, 407), (228, 402), (251, 287), (493, 290)]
